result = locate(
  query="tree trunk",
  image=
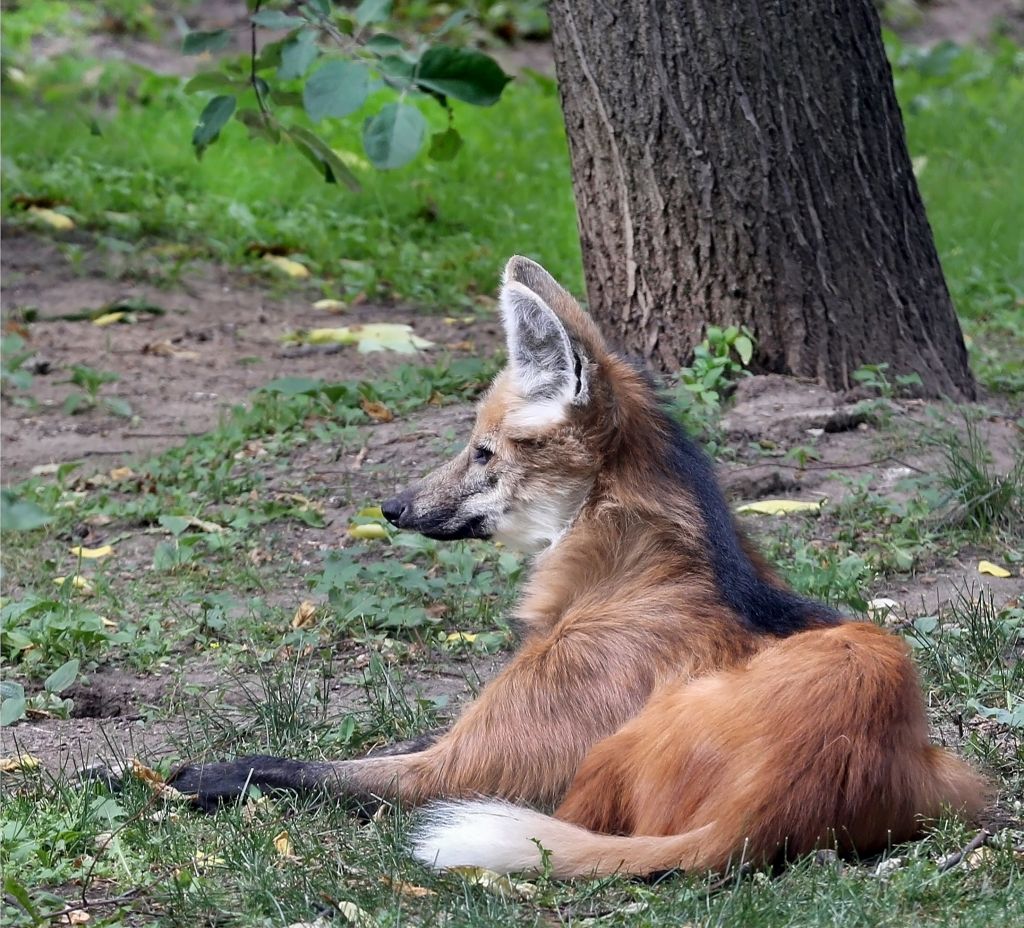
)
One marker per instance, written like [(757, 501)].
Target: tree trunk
[(744, 161)]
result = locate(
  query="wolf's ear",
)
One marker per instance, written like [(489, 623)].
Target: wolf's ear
[(549, 370), (534, 277)]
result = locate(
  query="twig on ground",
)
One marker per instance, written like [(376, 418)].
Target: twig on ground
[(978, 841), (84, 903)]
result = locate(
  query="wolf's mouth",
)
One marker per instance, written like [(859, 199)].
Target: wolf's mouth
[(474, 528)]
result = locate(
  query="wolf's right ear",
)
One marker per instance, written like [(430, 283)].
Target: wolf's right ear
[(549, 371)]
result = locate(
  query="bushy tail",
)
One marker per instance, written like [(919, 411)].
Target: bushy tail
[(509, 838), (821, 740)]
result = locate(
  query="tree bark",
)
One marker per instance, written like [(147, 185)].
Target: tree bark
[(744, 162)]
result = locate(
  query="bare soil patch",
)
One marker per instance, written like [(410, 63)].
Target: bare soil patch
[(218, 340), (233, 322)]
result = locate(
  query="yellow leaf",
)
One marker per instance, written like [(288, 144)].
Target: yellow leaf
[(108, 318), (205, 861), (148, 776), (283, 844), (462, 636), (21, 762), (356, 916), (497, 883), (371, 336), (121, 473), (777, 507), (77, 582), (376, 410), (371, 512), (330, 306), (994, 570), (92, 554), (287, 265), (76, 917), (52, 218), (372, 531), (408, 889), (155, 781), (107, 623), (305, 615)]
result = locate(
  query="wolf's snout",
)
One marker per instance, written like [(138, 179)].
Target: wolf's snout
[(394, 509)]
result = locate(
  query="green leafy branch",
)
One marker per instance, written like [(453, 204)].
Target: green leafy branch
[(358, 60)]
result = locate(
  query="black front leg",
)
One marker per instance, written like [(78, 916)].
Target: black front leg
[(212, 785)]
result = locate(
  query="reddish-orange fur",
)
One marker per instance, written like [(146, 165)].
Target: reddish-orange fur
[(640, 703), (819, 741)]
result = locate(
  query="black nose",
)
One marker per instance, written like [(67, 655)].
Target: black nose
[(394, 509)]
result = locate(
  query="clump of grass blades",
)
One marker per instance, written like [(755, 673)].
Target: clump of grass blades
[(984, 500)]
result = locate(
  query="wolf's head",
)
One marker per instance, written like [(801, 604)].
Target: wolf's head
[(541, 430)]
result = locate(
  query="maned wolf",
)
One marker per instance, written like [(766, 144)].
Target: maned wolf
[(671, 699)]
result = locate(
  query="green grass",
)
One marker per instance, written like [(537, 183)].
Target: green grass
[(217, 582), (116, 155), (436, 234)]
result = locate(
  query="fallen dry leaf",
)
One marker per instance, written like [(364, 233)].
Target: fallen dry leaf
[(121, 473), (109, 318), (376, 410), (21, 762), (52, 218), (371, 336), (77, 917), (330, 306), (204, 861), (979, 857), (993, 570), (164, 349), (77, 582), (356, 916), (777, 507), (407, 889), (44, 470), (305, 615), (283, 845), (882, 607), (287, 265), (155, 781), (497, 883), (92, 554), (371, 531)]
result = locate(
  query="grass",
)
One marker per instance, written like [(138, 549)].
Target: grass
[(437, 233), (334, 648)]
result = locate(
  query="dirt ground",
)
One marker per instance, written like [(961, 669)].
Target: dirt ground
[(220, 337), (231, 322)]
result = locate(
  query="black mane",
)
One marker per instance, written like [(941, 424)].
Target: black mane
[(761, 605)]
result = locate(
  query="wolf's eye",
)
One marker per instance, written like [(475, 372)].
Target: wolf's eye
[(482, 455)]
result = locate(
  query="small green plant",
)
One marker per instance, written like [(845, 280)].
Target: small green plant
[(875, 377), (718, 362), (90, 381), (802, 455), (37, 633), (13, 355), (984, 501)]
